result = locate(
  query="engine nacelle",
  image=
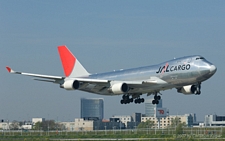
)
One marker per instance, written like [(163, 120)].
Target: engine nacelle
[(120, 88), (71, 85), (190, 89)]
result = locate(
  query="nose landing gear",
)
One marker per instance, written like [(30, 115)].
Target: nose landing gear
[(198, 89)]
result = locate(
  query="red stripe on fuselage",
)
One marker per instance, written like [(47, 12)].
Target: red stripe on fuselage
[(67, 58)]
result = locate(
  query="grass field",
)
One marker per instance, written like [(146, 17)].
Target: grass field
[(192, 134)]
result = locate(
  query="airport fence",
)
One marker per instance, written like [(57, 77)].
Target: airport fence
[(188, 132)]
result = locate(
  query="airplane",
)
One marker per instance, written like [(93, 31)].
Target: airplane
[(185, 74)]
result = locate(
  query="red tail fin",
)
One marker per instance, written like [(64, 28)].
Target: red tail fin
[(71, 66), (68, 60)]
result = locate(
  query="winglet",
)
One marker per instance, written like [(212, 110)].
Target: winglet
[(9, 69), (12, 71)]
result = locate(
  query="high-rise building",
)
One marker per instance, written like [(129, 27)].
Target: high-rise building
[(149, 107), (136, 117), (194, 117), (92, 108)]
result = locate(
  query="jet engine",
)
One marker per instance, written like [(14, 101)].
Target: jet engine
[(71, 85), (120, 88), (190, 89)]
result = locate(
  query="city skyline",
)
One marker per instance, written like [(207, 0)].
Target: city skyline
[(148, 102)]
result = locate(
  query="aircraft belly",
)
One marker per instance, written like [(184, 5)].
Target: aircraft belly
[(151, 88)]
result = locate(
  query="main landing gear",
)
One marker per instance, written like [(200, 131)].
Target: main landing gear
[(139, 100), (156, 99), (126, 99)]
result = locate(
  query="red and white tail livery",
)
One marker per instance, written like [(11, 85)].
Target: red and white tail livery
[(71, 66)]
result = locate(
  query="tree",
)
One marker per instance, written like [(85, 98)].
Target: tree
[(177, 125), (14, 125), (37, 126), (147, 124), (46, 125), (179, 128), (175, 121)]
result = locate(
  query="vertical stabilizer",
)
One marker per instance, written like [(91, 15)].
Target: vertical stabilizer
[(71, 66)]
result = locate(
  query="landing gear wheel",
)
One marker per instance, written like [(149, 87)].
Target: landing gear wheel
[(131, 100), (158, 97), (126, 99), (153, 101), (135, 101)]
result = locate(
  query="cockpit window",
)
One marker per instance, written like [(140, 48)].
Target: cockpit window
[(200, 58)]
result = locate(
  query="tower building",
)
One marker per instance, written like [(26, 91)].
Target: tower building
[(92, 108)]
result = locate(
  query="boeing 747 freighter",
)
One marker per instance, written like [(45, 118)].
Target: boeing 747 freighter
[(185, 74)]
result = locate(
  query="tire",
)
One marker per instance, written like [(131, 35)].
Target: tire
[(131, 100), (153, 101), (158, 97), (139, 101)]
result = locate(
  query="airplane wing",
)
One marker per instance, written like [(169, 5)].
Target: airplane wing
[(111, 86), (98, 86), (54, 79)]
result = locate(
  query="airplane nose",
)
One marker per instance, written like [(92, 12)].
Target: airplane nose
[(213, 69)]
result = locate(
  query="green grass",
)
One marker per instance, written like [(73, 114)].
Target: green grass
[(167, 135)]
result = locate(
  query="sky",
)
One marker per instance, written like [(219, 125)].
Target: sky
[(106, 35)]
